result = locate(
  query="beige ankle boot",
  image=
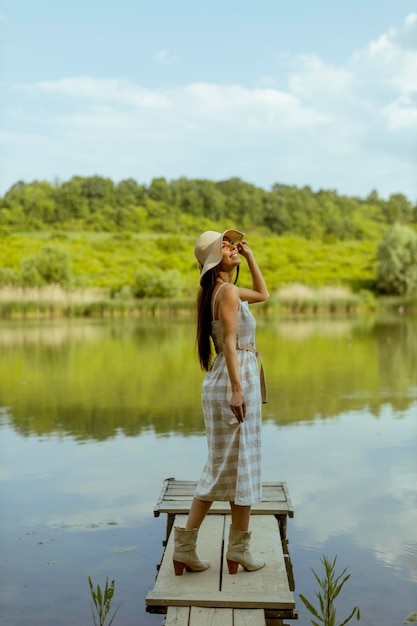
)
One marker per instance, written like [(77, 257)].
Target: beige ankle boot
[(238, 552), (185, 555)]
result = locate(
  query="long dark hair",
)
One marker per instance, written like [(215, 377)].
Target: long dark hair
[(204, 317)]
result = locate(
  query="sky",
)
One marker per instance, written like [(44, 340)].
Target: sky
[(298, 92)]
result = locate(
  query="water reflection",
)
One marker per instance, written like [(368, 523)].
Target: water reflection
[(95, 379), (362, 477), (94, 416)]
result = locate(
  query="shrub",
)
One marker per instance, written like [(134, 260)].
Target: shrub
[(51, 266), (397, 262), (124, 293), (7, 276), (155, 283)]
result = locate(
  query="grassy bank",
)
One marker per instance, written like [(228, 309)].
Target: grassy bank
[(110, 261), (304, 277)]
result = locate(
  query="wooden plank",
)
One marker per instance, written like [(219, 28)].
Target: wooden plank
[(271, 580), (182, 506), (177, 495), (267, 588), (177, 616), (248, 617), (287, 496), (165, 485), (185, 489), (171, 590), (271, 494), (202, 616)]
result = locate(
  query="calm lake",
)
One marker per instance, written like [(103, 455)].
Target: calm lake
[(95, 414)]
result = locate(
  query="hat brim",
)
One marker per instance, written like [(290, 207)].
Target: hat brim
[(215, 255)]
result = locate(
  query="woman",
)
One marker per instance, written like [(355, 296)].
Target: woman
[(231, 398)]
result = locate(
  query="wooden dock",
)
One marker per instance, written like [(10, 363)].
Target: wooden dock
[(214, 596)]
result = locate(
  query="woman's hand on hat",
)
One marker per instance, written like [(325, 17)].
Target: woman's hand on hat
[(244, 250)]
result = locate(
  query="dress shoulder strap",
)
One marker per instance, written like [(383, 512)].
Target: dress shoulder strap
[(213, 303)]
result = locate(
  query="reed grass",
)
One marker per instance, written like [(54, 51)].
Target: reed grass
[(330, 587), (302, 299), (101, 603), (55, 301)]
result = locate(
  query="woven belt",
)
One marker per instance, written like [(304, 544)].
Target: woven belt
[(261, 373)]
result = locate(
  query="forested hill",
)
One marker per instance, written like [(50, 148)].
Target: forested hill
[(98, 204)]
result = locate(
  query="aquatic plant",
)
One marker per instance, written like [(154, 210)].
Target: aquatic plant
[(331, 585), (101, 604), (411, 618)]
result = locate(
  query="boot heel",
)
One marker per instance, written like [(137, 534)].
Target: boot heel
[(232, 565), (185, 555), (238, 552), (178, 568)]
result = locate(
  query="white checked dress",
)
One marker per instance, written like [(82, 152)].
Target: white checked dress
[(232, 471)]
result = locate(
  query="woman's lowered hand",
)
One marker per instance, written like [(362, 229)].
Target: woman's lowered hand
[(238, 405)]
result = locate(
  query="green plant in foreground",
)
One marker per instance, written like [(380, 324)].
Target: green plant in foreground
[(331, 585), (102, 601)]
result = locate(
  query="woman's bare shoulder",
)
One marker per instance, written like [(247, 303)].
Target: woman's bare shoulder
[(229, 295)]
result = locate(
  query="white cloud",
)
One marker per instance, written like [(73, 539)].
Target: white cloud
[(3, 18), (400, 115), (340, 126), (406, 38), (90, 89), (371, 99)]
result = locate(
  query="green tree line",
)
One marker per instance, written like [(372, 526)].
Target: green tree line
[(99, 204)]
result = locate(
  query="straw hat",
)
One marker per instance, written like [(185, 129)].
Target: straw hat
[(208, 248)]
